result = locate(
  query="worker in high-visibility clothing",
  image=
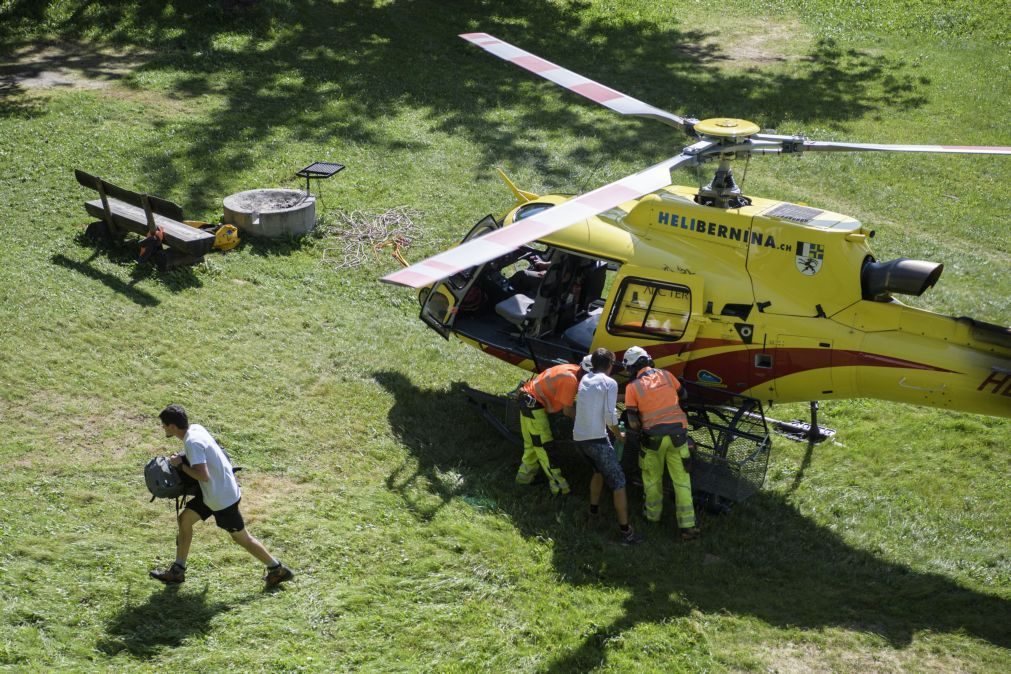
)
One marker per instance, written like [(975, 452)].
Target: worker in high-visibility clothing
[(551, 391), (652, 400)]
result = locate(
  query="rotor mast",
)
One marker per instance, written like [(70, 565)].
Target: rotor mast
[(728, 133)]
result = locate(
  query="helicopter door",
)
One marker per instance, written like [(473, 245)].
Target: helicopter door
[(803, 367), (439, 306), (650, 308)]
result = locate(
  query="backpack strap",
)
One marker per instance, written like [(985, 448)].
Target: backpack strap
[(180, 504)]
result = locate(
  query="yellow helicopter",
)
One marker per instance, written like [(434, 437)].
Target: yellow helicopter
[(773, 300)]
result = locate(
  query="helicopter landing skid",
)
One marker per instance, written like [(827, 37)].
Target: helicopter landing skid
[(497, 410), (731, 440), (800, 431)]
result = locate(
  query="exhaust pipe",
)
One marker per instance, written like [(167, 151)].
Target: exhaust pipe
[(903, 276)]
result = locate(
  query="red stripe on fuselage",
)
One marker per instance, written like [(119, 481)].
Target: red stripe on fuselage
[(787, 361), (502, 354), (728, 365)]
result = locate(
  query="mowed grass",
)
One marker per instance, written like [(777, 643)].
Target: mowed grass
[(365, 468)]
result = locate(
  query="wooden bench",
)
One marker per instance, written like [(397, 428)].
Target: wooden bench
[(122, 210)]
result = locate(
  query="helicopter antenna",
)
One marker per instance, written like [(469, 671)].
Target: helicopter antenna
[(596, 166)]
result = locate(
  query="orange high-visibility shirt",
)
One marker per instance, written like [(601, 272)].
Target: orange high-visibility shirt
[(555, 388), (655, 394)]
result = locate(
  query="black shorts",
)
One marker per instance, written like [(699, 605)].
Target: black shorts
[(229, 519)]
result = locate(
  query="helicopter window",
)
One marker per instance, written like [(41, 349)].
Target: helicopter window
[(438, 308), (487, 224), (645, 307), (526, 210)]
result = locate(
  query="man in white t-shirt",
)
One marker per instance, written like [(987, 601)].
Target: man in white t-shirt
[(595, 414), (204, 461)]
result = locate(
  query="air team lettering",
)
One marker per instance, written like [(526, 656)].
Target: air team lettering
[(721, 231)]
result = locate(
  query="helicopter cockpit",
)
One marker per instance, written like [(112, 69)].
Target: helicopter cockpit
[(536, 302), (541, 300)]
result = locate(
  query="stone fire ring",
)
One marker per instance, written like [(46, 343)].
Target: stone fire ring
[(271, 213)]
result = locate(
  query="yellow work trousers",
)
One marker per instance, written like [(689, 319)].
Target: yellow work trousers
[(652, 462), (537, 443)]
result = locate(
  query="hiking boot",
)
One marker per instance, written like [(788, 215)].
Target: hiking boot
[(630, 537), (690, 534), (278, 575), (173, 575)]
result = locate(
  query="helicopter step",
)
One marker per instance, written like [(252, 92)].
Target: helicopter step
[(731, 438)]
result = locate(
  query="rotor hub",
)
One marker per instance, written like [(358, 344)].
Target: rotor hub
[(726, 127)]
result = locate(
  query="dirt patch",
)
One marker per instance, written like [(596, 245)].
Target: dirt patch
[(797, 658), (67, 66), (774, 43), (89, 430)]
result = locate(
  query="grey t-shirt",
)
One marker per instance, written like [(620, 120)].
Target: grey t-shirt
[(221, 490)]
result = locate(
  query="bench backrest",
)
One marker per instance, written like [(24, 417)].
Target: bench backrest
[(160, 206)]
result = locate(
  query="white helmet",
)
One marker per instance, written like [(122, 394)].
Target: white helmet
[(587, 363), (633, 355)]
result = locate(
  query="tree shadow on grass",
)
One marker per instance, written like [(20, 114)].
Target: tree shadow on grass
[(333, 74), (765, 560), (166, 620)]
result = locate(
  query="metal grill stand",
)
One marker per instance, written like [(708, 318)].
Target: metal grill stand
[(320, 170)]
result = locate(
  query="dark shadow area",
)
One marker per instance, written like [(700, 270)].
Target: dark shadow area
[(330, 71), (280, 247), (15, 103), (58, 64), (128, 290), (55, 65), (173, 279), (123, 252), (165, 620), (804, 465), (766, 559), (440, 454)]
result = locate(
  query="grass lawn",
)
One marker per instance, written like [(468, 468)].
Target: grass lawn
[(366, 469)]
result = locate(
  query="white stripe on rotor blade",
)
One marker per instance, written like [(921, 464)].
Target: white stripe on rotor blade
[(505, 51), (595, 91), (630, 106), (564, 78), (880, 147)]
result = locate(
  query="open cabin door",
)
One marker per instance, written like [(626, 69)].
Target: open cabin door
[(440, 305), (655, 309)]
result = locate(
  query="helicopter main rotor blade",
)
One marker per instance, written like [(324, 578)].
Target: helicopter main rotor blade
[(507, 239), (596, 92), (799, 144)]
